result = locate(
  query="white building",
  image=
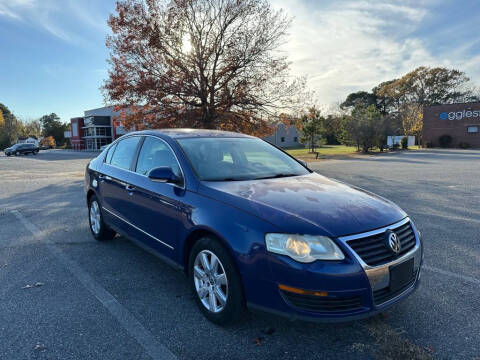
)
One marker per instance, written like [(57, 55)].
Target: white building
[(31, 139), (285, 136)]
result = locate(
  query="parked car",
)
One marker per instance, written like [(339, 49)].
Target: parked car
[(22, 149), (252, 226)]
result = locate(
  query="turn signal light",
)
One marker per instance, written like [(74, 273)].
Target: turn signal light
[(301, 291)]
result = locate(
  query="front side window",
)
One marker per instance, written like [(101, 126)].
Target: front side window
[(124, 152), (156, 153), (232, 159)]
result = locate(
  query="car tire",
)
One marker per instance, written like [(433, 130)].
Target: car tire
[(35, 152), (8, 154), (228, 302), (98, 228), (16, 153)]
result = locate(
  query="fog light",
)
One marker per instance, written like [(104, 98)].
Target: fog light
[(301, 291)]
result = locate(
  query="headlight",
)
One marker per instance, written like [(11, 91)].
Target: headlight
[(303, 248)]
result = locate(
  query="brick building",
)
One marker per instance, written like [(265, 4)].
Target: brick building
[(96, 128), (460, 121)]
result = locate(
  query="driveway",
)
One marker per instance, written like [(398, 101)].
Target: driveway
[(66, 296)]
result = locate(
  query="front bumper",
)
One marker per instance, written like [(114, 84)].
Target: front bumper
[(355, 289)]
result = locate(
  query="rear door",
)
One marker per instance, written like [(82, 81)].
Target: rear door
[(158, 208), (114, 182)]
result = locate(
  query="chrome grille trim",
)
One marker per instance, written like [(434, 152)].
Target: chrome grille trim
[(379, 276)]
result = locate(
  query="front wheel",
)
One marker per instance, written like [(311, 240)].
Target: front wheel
[(215, 282), (98, 228)]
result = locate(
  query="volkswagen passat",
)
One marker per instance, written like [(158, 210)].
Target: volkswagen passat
[(253, 227)]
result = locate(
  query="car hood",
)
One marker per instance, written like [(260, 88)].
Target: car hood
[(301, 203)]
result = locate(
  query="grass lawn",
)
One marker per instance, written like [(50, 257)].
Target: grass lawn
[(329, 151), (324, 151)]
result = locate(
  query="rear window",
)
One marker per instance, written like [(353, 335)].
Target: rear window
[(124, 152), (110, 152)]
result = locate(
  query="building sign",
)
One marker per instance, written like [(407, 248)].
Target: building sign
[(459, 115)]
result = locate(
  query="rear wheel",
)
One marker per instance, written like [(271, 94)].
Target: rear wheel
[(98, 228), (215, 282)]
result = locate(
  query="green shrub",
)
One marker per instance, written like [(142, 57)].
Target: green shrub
[(445, 140), (429, 144), (463, 145), (396, 146), (404, 142)]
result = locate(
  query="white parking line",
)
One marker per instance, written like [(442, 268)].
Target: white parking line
[(153, 348), (469, 279)]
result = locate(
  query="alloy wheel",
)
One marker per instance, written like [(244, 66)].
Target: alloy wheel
[(210, 281), (95, 220)]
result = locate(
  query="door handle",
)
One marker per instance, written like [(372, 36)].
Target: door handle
[(104, 177), (129, 188)]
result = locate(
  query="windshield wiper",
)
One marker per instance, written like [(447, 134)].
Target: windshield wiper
[(281, 175)]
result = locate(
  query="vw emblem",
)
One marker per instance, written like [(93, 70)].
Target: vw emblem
[(393, 242)]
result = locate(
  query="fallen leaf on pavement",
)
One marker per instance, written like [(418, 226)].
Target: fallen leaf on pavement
[(37, 284), (259, 340), (40, 347)]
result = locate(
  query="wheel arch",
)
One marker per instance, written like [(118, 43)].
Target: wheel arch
[(90, 193), (197, 234)]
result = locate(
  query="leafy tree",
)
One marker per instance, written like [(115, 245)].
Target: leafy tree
[(49, 142), (430, 86), (210, 64), (359, 98), (32, 127), (365, 127), (10, 128), (311, 128), (52, 126)]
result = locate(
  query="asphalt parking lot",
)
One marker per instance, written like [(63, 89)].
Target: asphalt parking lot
[(65, 296)]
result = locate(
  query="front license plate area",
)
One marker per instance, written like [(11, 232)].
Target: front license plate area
[(401, 275)]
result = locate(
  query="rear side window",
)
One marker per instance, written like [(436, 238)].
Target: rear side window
[(156, 153), (124, 152), (110, 152)]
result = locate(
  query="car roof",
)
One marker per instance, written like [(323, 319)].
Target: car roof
[(192, 133)]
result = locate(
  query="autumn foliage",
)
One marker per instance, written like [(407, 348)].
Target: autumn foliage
[(199, 63)]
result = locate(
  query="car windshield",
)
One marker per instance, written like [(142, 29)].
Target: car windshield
[(232, 159)]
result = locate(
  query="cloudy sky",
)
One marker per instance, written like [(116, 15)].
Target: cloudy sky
[(53, 57)]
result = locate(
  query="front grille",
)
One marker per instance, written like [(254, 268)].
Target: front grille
[(385, 294), (373, 249), (323, 304)]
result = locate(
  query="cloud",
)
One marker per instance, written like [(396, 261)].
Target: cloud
[(60, 18), (12, 8), (346, 46)]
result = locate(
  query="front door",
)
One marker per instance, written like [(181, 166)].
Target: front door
[(158, 207)]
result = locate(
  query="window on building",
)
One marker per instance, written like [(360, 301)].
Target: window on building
[(472, 129), (124, 153), (282, 139)]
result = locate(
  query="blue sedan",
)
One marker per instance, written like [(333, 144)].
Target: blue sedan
[(253, 227)]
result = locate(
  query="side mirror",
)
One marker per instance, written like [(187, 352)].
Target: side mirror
[(163, 174)]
